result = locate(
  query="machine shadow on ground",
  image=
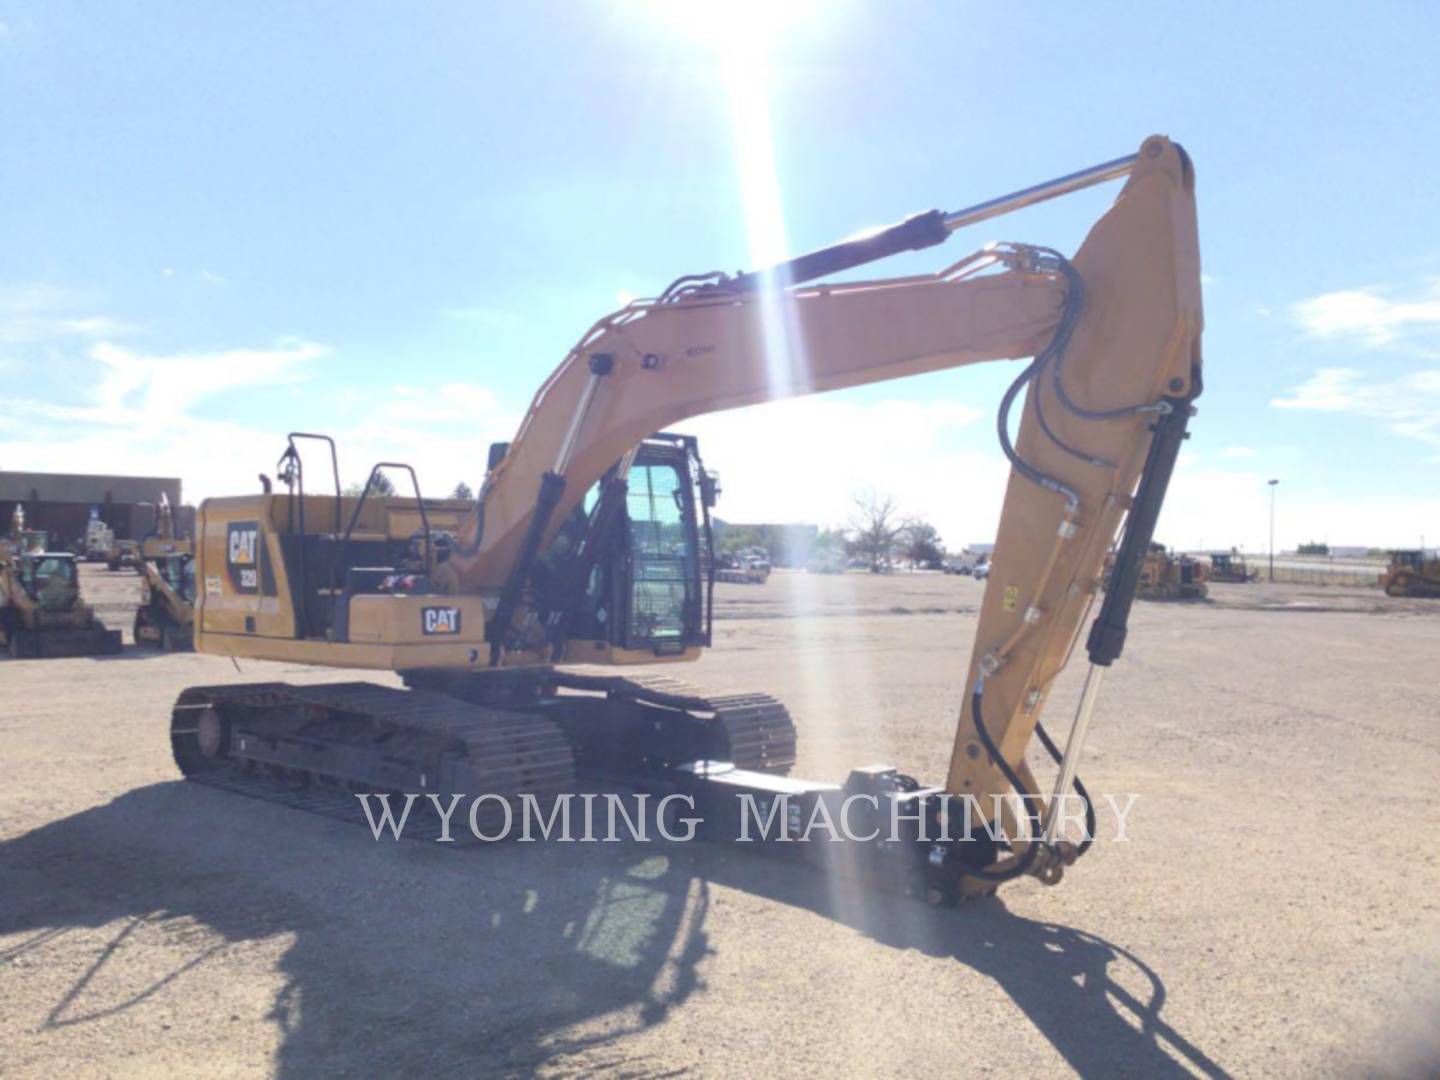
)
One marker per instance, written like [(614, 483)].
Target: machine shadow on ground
[(1063, 979), (496, 959)]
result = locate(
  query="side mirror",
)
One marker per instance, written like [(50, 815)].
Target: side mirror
[(709, 487)]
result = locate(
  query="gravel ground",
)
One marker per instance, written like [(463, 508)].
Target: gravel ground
[(1273, 913)]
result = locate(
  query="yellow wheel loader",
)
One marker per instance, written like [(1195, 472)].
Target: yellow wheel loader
[(1411, 574), (41, 611), (589, 547)]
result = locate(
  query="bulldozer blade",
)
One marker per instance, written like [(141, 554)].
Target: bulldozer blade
[(53, 644)]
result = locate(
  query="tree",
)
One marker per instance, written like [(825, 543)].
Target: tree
[(876, 524), (462, 491), (1314, 547), (922, 545), (380, 485)]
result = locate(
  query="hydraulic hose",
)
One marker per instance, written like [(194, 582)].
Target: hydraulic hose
[(1032, 849), (1054, 752)]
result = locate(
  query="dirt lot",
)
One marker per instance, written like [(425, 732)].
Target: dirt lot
[(1274, 912)]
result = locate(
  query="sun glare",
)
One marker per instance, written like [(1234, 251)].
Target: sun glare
[(745, 39)]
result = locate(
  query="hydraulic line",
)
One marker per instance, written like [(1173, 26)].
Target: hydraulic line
[(1022, 865), (1052, 357), (1023, 467), (687, 283), (1076, 287), (1074, 302), (1054, 752)]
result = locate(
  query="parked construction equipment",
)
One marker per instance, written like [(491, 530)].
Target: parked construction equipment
[(42, 613), (589, 544), (124, 555), (1230, 567), (1411, 573), (166, 616), (1165, 576), (99, 540)]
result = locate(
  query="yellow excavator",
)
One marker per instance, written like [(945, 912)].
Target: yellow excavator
[(588, 547), (42, 614), (165, 618), (1410, 573)]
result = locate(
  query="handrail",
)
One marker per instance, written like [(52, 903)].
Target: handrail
[(355, 517)]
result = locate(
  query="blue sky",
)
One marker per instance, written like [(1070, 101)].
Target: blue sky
[(390, 221)]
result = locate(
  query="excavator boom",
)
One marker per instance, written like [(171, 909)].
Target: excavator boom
[(1131, 358)]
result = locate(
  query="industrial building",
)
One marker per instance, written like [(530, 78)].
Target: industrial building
[(60, 503)]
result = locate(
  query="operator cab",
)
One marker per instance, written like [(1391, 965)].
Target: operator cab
[(629, 569), (49, 578), (179, 573), (1411, 557), (645, 571)]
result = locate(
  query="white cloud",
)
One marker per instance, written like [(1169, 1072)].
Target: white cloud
[(131, 410), (147, 413), (39, 314), (137, 417), (133, 385), (804, 460), (222, 457), (1370, 315), (448, 403), (1216, 509), (1407, 405)]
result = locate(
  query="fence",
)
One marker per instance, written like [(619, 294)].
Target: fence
[(1323, 571), (1317, 569)]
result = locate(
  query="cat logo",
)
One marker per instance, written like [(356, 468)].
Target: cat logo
[(440, 620), (242, 545), (242, 556)]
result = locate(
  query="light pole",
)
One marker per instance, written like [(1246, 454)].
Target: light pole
[(1273, 484)]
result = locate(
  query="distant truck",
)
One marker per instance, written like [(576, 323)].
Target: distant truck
[(125, 554), (99, 541), (748, 566), (969, 565)]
